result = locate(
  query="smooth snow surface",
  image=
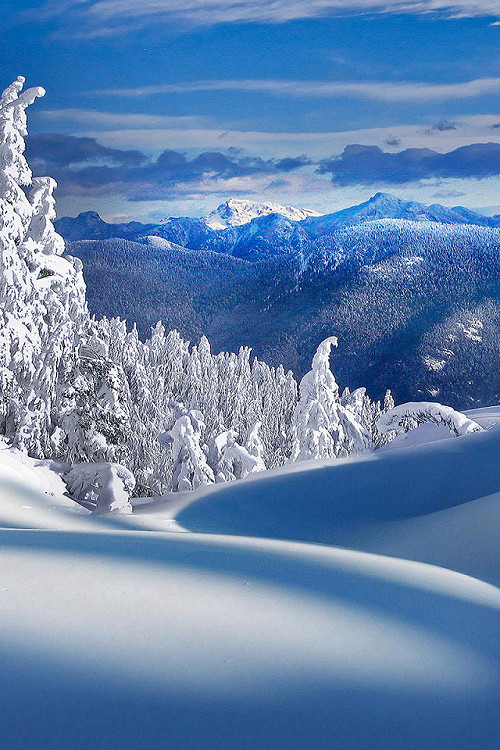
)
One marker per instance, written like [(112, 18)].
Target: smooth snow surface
[(115, 634), (345, 502)]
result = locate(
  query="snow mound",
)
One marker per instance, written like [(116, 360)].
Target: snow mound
[(240, 643), (326, 501), (463, 538), (411, 414), (33, 494), (234, 643), (235, 212)]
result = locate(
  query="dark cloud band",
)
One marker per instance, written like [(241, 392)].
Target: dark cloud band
[(81, 165), (368, 165)]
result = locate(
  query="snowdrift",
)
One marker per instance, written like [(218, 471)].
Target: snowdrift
[(324, 502), (115, 634)]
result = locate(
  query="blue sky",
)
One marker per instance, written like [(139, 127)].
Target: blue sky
[(162, 107)]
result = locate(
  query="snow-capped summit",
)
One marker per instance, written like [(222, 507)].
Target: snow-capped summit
[(235, 212)]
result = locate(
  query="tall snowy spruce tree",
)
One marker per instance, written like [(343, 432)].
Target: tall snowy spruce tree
[(156, 415), (323, 426), (43, 308)]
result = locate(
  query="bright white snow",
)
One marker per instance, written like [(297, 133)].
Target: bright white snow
[(235, 212), (114, 634)]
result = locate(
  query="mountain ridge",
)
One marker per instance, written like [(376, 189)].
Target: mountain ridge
[(411, 290), (224, 228)]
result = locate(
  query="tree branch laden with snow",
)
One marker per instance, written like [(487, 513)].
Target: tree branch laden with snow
[(101, 487), (414, 413)]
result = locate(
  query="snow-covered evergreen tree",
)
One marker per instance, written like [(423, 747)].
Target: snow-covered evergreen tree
[(255, 448), (322, 426), (94, 410), (406, 417), (219, 456), (231, 460), (101, 487), (367, 413), (43, 295), (191, 469)]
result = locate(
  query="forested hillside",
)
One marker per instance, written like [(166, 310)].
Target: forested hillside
[(415, 302)]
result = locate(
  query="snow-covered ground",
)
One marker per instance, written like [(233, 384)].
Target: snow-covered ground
[(335, 605)]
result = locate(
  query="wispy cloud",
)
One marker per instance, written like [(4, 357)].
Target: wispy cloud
[(106, 17), (387, 91), (96, 118), (278, 145)]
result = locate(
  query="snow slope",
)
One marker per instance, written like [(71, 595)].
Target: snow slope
[(114, 634), (343, 502)]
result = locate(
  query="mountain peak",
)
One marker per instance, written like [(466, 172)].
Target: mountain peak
[(384, 198), (85, 214), (236, 211), (90, 218)]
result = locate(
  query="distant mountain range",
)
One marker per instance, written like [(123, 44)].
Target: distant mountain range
[(412, 291), (239, 213)]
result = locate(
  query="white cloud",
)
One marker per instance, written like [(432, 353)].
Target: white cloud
[(113, 16), (387, 91), (93, 117), (470, 129)]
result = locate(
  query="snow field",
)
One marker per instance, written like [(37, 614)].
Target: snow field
[(116, 635)]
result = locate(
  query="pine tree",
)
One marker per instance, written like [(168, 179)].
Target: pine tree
[(406, 417), (43, 295), (255, 448), (191, 469), (322, 427)]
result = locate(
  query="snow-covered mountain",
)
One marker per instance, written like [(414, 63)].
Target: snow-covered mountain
[(241, 218), (386, 206), (89, 226), (235, 212), (413, 301)]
